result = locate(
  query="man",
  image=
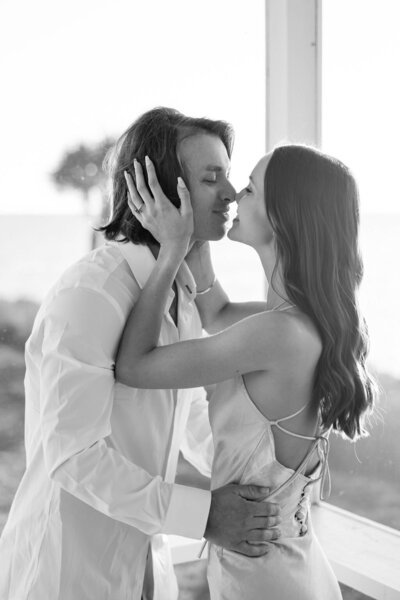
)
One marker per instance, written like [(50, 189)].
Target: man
[(98, 496)]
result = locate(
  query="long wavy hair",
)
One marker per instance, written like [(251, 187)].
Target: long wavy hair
[(156, 133), (312, 203)]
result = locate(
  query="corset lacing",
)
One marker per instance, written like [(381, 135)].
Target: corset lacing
[(321, 445)]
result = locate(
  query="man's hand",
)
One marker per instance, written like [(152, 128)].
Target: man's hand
[(240, 521)]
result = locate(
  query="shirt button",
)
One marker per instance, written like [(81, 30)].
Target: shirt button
[(303, 529)]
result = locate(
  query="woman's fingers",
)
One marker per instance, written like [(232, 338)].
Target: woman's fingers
[(134, 200), (141, 184), (154, 210), (152, 179), (183, 193), (136, 211)]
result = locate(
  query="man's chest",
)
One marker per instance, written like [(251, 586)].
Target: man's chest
[(173, 311)]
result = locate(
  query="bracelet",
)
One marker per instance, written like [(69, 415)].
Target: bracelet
[(207, 289)]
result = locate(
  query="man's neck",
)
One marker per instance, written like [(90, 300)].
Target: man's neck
[(155, 248)]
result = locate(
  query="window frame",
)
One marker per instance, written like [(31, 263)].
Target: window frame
[(363, 554)]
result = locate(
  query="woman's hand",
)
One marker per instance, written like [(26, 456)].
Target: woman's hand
[(170, 226)]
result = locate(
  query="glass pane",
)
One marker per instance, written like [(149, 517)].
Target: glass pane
[(360, 125)]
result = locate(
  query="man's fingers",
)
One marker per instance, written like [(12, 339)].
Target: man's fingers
[(263, 535), (264, 509), (184, 196), (253, 492), (253, 550), (263, 522)]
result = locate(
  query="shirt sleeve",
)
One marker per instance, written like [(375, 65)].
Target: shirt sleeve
[(81, 331), (187, 512), (197, 444)]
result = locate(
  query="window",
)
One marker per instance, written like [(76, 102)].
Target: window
[(361, 126)]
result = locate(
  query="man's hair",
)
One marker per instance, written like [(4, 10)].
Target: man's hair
[(156, 134)]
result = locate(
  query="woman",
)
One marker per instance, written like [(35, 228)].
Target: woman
[(286, 376)]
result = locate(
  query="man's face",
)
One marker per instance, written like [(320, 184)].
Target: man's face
[(251, 225), (206, 165)]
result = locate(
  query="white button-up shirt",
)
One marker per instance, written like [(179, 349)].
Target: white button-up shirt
[(99, 488)]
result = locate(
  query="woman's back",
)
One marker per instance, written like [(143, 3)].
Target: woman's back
[(245, 442), (287, 386)]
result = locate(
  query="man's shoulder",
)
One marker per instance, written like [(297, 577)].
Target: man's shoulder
[(94, 268), (103, 271)]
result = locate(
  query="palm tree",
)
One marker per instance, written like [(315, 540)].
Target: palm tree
[(81, 168)]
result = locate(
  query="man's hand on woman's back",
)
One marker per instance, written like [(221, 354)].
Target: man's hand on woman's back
[(240, 521)]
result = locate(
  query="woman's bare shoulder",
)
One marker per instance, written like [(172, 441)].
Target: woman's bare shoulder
[(291, 333)]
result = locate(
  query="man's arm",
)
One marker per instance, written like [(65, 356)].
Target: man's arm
[(81, 334), (216, 310), (197, 445)]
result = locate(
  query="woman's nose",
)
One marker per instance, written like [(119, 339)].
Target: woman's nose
[(238, 196)]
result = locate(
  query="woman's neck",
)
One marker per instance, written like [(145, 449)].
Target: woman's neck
[(276, 292)]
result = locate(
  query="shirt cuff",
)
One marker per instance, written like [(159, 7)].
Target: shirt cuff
[(187, 512)]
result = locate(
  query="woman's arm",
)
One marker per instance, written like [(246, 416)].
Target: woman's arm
[(251, 344), (173, 228)]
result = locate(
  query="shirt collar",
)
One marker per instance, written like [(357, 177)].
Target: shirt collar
[(141, 262)]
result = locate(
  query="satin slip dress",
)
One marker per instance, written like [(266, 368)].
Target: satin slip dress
[(296, 567)]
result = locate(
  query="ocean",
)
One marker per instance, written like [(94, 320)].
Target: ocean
[(36, 249)]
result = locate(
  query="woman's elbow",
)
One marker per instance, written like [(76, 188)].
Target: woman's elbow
[(125, 374)]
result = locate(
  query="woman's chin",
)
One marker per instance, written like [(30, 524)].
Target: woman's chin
[(233, 232)]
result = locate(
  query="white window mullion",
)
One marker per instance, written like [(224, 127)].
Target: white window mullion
[(293, 72)]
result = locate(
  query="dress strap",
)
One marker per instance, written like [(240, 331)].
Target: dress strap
[(322, 443), (292, 415), (277, 422), (298, 435), (325, 476)]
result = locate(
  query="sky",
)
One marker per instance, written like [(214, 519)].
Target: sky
[(79, 70), (361, 95)]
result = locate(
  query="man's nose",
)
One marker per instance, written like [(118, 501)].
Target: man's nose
[(230, 193)]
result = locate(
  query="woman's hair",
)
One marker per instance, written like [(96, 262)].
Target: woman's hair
[(313, 206), (156, 134)]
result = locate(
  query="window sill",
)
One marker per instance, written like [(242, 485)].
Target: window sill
[(364, 554)]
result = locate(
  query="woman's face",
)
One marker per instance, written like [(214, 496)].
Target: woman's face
[(251, 225)]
